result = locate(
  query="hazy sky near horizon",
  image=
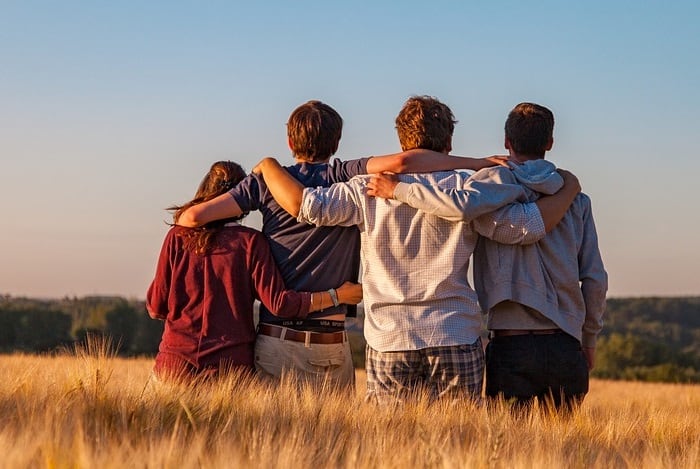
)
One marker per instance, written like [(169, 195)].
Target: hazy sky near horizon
[(112, 111)]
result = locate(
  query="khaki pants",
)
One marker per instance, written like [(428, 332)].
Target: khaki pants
[(318, 364)]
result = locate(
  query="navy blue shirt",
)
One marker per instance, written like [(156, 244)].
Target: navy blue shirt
[(310, 258)]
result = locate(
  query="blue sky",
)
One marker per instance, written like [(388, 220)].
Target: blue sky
[(112, 111)]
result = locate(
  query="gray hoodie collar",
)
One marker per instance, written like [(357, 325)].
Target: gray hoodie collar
[(538, 175)]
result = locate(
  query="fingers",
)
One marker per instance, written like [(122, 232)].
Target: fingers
[(382, 185), (499, 160), (569, 178)]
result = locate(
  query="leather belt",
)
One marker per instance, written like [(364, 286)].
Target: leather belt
[(302, 336), (512, 332)]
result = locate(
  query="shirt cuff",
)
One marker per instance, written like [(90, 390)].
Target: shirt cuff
[(305, 206), (402, 191), (535, 224)]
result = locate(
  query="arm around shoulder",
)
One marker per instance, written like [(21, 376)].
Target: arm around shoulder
[(554, 207), (420, 160), (218, 208), (286, 190)]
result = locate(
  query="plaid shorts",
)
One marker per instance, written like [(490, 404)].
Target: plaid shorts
[(443, 372)]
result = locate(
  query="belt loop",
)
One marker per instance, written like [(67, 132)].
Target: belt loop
[(283, 334), (307, 341), (345, 336)]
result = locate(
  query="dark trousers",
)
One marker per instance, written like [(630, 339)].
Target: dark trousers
[(551, 368)]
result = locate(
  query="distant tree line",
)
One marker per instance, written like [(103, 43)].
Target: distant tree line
[(650, 339), (647, 339), (34, 325)]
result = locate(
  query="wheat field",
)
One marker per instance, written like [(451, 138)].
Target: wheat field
[(88, 408)]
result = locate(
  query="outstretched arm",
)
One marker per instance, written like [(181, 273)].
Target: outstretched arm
[(286, 190), (552, 208), (473, 199), (218, 208), (424, 161)]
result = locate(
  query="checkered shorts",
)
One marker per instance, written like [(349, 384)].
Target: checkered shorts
[(443, 372)]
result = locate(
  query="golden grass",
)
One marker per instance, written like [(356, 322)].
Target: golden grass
[(91, 409)]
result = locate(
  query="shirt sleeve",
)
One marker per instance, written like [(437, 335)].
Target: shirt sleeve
[(270, 286), (159, 290), (247, 193), (513, 224), (593, 278), (342, 171), (338, 204), (474, 199)]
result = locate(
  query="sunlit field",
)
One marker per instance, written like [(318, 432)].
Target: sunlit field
[(89, 409)]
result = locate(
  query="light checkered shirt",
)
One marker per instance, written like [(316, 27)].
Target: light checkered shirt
[(414, 264)]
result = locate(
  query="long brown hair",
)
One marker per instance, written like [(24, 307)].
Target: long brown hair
[(221, 178)]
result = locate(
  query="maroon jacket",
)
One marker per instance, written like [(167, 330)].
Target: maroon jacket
[(207, 300)]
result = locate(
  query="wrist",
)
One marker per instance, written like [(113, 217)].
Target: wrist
[(334, 296)]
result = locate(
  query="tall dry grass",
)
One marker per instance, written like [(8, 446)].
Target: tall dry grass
[(91, 409)]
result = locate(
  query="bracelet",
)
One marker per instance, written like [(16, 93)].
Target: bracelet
[(334, 296)]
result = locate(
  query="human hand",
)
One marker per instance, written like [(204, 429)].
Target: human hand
[(382, 185), (571, 182), (349, 293), (589, 353), (495, 160)]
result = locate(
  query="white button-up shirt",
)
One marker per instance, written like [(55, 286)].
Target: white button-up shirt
[(414, 264)]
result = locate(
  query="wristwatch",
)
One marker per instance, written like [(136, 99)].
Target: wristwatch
[(334, 296)]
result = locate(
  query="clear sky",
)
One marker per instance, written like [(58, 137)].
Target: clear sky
[(112, 111)]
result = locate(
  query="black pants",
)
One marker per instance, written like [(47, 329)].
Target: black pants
[(551, 368)]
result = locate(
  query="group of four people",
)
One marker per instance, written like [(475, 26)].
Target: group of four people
[(537, 267)]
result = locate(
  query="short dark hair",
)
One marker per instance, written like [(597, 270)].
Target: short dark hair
[(529, 129), (314, 130), (425, 122)]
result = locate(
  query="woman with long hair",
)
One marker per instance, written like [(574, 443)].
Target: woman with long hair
[(206, 282)]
